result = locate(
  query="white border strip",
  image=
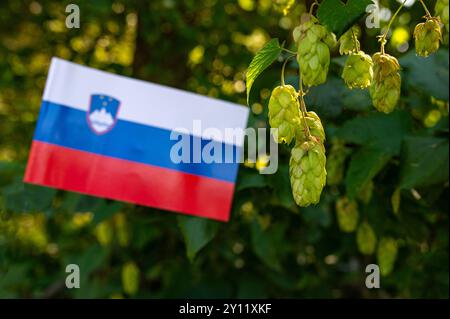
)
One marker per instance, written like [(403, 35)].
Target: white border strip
[(142, 102)]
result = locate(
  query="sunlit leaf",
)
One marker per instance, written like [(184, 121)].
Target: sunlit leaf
[(262, 60), (339, 17), (197, 232)]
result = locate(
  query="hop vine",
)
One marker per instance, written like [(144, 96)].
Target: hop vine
[(303, 129)]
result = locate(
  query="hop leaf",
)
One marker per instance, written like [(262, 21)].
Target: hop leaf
[(386, 255), (130, 278), (428, 36), (335, 162), (314, 44), (386, 84), (347, 214), (358, 72), (307, 172), (284, 113), (366, 239)]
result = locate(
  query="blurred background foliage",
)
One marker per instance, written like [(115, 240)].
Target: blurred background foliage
[(392, 169)]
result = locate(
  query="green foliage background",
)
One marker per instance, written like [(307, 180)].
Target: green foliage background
[(270, 248)]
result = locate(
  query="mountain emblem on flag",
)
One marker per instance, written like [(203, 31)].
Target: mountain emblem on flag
[(102, 114)]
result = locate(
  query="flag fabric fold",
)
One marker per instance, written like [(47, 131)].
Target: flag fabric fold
[(114, 137)]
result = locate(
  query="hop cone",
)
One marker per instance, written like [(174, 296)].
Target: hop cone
[(427, 36), (121, 229), (314, 125), (441, 10), (347, 214), (395, 201), (307, 172), (358, 70), (335, 162), (130, 278), (283, 6), (386, 255), (283, 112), (104, 233), (366, 239), (314, 44), (347, 42), (365, 193), (386, 83)]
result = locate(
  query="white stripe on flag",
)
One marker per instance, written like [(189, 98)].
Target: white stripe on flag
[(142, 102)]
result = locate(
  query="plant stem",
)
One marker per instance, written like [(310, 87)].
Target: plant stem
[(282, 72), (383, 37), (316, 3), (355, 40), (305, 123), (303, 105), (428, 14), (284, 67), (289, 51)]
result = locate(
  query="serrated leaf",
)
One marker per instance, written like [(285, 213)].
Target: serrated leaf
[(429, 75), (424, 161), (197, 232), (380, 136), (326, 99), (364, 165), (262, 60), (338, 17), (377, 130)]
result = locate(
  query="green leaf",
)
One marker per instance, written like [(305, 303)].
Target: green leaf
[(339, 17), (197, 232), (280, 181), (89, 260), (8, 170), (266, 244), (250, 179), (106, 210), (428, 75), (378, 130), (424, 161), (21, 197), (317, 215), (262, 60), (365, 164), (251, 286), (326, 99)]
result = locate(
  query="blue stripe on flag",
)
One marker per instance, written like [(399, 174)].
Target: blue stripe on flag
[(68, 127)]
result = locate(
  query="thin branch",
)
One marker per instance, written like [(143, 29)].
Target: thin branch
[(426, 9), (303, 105), (383, 37)]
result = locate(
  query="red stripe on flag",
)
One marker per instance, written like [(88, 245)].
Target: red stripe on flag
[(88, 173)]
